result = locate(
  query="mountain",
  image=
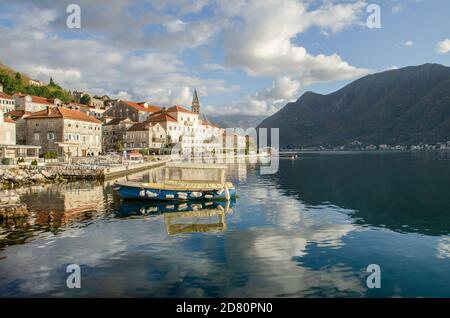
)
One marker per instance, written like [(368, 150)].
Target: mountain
[(410, 105), (236, 121), (12, 73), (16, 82)]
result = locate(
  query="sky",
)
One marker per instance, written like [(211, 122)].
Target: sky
[(243, 56)]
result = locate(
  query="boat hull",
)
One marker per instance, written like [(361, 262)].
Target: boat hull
[(154, 194)]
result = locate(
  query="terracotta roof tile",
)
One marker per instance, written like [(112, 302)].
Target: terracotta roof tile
[(5, 96), (142, 108), (41, 100), (61, 112), (140, 126), (9, 120), (16, 114), (161, 118), (179, 109)]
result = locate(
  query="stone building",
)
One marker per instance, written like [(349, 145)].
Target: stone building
[(113, 132), (145, 135), (97, 103), (21, 125), (77, 106), (96, 112), (8, 146), (32, 103), (7, 102), (7, 131), (233, 143), (64, 131), (137, 112)]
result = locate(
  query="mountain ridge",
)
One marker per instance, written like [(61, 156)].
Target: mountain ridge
[(403, 106)]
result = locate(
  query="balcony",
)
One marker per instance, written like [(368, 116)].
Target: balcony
[(162, 140), (188, 123)]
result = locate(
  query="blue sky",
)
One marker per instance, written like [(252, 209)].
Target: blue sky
[(243, 56)]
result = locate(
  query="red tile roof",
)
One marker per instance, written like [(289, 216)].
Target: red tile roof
[(140, 126), (41, 100), (161, 118), (9, 120), (142, 108), (179, 109), (16, 114), (61, 112), (5, 96), (37, 99)]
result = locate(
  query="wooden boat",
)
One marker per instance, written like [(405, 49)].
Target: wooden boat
[(182, 182)]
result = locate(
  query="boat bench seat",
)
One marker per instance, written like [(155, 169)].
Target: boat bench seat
[(186, 186)]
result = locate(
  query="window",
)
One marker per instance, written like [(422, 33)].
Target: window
[(36, 136), (77, 137), (50, 135), (68, 137), (37, 124)]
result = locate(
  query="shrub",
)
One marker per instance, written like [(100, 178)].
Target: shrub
[(34, 162), (50, 155), (144, 151), (7, 161)]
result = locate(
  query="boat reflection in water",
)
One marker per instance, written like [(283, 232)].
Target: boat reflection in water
[(187, 217)]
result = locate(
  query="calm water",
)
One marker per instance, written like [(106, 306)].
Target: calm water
[(308, 231)]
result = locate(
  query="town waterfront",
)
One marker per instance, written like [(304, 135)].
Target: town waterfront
[(310, 230)]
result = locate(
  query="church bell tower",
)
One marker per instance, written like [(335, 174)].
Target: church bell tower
[(195, 103)]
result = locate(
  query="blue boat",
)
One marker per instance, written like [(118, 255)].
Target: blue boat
[(182, 182)]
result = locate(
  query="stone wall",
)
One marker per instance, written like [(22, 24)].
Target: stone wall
[(29, 175)]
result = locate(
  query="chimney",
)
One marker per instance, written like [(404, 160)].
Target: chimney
[(48, 110)]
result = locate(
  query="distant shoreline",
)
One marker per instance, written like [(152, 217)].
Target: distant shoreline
[(364, 151)]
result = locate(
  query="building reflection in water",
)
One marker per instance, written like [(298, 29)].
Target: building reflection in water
[(64, 204)]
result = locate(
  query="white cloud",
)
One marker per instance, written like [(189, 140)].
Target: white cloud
[(261, 41), (443, 46), (141, 57), (266, 101), (215, 67), (408, 43), (175, 26)]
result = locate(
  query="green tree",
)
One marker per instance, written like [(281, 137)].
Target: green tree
[(118, 146), (18, 78), (85, 99)]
